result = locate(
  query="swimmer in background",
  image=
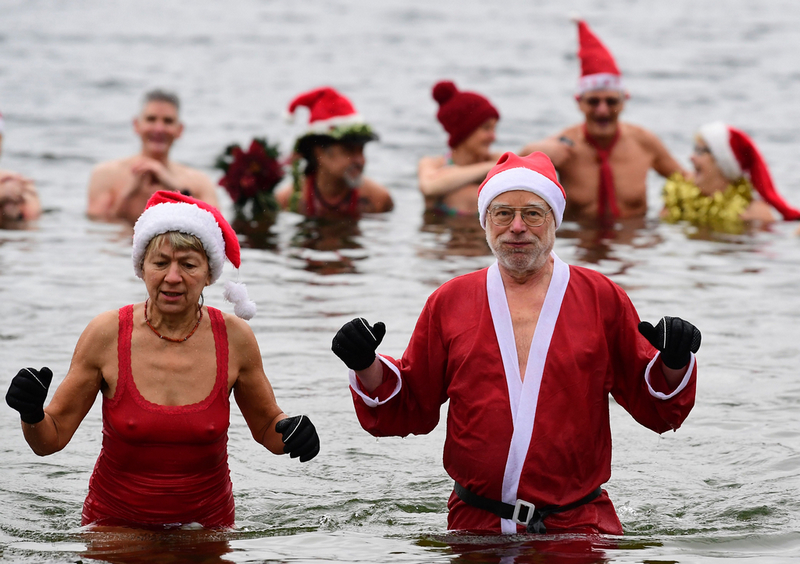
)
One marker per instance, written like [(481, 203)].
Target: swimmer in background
[(728, 165), (120, 189), (603, 163), (19, 200), (332, 184), (450, 182)]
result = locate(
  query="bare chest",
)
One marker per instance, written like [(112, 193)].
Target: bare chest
[(629, 163), (525, 309)]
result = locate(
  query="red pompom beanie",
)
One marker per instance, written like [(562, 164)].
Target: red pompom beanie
[(171, 211), (461, 113), (534, 173)]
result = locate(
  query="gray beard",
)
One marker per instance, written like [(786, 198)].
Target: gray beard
[(521, 262)]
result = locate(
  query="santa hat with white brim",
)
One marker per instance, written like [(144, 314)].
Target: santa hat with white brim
[(599, 70), (735, 154), (171, 211), (328, 110), (534, 173)]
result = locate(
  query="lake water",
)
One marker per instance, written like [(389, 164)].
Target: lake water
[(724, 487)]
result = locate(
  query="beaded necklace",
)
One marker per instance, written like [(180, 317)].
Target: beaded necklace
[(170, 339)]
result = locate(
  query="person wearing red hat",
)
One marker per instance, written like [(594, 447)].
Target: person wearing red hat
[(450, 182), (497, 341), (332, 183), (19, 200), (119, 189), (165, 369), (603, 162), (728, 165)]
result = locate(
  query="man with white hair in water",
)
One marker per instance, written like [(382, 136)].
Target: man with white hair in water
[(527, 352), (120, 189)]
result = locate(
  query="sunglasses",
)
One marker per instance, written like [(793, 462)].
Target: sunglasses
[(611, 101)]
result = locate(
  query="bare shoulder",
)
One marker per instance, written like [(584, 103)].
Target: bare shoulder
[(378, 195), (110, 171), (642, 136), (197, 182), (100, 335), (240, 334), (431, 163)]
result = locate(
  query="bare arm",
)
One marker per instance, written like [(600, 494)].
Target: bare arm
[(18, 197), (252, 390), (437, 178), (203, 188), (372, 376), (559, 148), (76, 394), (101, 192), (663, 162)]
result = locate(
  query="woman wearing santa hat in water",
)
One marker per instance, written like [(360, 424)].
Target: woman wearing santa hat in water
[(166, 368), (728, 165)]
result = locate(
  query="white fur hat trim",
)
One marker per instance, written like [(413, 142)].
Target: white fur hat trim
[(522, 178), (600, 81), (718, 138), (183, 217)]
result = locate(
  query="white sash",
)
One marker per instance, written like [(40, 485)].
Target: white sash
[(523, 395)]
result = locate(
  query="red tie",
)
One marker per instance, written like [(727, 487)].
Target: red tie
[(607, 199)]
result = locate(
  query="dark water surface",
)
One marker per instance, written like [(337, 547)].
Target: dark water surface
[(726, 486)]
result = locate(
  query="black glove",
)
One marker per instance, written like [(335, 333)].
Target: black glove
[(27, 393), (675, 338), (299, 437), (356, 341)]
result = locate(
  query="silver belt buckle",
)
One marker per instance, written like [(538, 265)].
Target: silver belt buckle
[(518, 506)]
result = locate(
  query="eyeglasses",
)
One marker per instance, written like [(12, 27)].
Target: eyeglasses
[(611, 101), (701, 150), (533, 216)]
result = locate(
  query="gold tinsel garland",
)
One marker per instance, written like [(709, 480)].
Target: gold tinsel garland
[(683, 201)]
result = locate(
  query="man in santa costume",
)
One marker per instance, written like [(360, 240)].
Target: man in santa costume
[(603, 162), (527, 352), (332, 183)]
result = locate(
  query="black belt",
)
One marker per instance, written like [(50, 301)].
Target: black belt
[(523, 513)]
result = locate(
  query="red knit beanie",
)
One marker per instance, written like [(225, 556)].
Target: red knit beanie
[(461, 113)]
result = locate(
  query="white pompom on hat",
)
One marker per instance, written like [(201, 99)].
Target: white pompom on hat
[(171, 211), (534, 173)]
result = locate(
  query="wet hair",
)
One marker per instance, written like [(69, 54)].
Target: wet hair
[(178, 241), (159, 95)]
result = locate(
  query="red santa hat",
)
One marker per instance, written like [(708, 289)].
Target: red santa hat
[(735, 153), (461, 113), (171, 211), (598, 69), (534, 173), (329, 110)]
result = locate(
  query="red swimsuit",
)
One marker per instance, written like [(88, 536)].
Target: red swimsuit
[(163, 465)]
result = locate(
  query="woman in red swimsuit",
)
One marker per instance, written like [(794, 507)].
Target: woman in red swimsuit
[(166, 368)]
